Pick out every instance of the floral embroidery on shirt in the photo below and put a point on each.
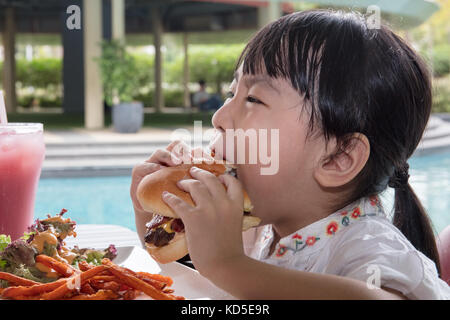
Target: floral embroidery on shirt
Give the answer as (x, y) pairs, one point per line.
(339, 219)
(332, 227)
(311, 240)
(356, 213)
(282, 249)
(374, 200)
(299, 245)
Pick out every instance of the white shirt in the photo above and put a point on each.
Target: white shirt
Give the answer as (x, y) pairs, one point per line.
(358, 242)
(200, 97)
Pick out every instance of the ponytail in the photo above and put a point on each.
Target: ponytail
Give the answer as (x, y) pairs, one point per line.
(412, 220)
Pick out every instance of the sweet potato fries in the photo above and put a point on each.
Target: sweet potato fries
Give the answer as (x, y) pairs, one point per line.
(104, 282)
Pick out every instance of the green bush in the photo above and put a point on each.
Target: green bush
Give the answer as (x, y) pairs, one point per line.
(172, 98)
(118, 72)
(214, 64)
(145, 69)
(39, 73)
(441, 94)
(50, 102)
(145, 98)
(25, 100)
(441, 60)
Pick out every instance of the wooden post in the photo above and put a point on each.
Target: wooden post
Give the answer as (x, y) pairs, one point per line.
(270, 13)
(187, 93)
(430, 43)
(92, 28)
(9, 65)
(157, 34)
(118, 19)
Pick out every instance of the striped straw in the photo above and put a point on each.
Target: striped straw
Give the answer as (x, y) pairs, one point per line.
(3, 116)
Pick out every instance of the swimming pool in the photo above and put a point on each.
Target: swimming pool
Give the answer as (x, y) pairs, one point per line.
(106, 200)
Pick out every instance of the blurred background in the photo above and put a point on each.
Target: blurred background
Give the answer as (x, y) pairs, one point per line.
(204, 36)
(71, 64)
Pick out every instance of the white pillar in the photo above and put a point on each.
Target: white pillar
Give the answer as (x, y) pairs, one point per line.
(93, 91)
(187, 94)
(429, 44)
(157, 35)
(270, 13)
(118, 19)
(9, 63)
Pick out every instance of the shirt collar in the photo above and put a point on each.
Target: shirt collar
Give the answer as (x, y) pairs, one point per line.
(314, 236)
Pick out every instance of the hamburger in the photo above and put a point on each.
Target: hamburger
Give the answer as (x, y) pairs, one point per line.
(165, 239)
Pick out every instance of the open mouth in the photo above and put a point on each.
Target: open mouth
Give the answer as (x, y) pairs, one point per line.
(221, 158)
(231, 170)
(217, 151)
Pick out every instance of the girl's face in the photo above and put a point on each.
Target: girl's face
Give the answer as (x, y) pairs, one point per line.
(260, 102)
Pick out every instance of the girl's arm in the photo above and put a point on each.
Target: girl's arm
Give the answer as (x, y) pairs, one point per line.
(246, 278)
(213, 233)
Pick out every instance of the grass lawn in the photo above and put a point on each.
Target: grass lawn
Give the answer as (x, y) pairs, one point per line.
(70, 121)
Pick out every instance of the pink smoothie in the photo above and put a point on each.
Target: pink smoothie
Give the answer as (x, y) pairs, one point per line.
(22, 152)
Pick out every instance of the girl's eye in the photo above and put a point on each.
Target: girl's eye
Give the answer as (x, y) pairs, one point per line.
(253, 100)
(229, 95)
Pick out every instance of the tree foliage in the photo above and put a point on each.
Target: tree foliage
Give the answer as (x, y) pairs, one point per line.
(119, 73)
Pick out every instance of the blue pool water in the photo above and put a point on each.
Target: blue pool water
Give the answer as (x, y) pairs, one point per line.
(106, 200)
(430, 179)
(96, 200)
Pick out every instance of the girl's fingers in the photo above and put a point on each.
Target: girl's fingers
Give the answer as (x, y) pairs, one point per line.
(145, 168)
(164, 157)
(234, 188)
(181, 150)
(177, 143)
(139, 172)
(178, 205)
(200, 153)
(198, 191)
(210, 180)
(186, 153)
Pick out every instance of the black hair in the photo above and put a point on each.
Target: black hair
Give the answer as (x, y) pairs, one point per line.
(356, 79)
(201, 82)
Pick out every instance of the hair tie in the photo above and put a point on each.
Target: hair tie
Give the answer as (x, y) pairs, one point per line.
(400, 177)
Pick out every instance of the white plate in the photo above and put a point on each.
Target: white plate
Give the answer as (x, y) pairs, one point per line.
(186, 281)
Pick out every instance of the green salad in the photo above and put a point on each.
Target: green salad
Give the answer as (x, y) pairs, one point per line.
(45, 237)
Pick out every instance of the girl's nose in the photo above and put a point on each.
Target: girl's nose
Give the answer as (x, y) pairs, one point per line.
(223, 117)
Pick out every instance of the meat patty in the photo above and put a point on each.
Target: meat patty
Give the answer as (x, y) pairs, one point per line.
(157, 235)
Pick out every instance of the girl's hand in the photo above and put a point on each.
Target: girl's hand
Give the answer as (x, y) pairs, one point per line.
(176, 153)
(214, 226)
(159, 159)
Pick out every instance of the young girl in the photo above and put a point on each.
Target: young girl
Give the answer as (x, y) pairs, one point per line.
(351, 104)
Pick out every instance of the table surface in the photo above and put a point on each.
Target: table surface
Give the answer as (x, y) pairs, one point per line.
(100, 236)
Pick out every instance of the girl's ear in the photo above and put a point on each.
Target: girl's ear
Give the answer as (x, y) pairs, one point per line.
(341, 168)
